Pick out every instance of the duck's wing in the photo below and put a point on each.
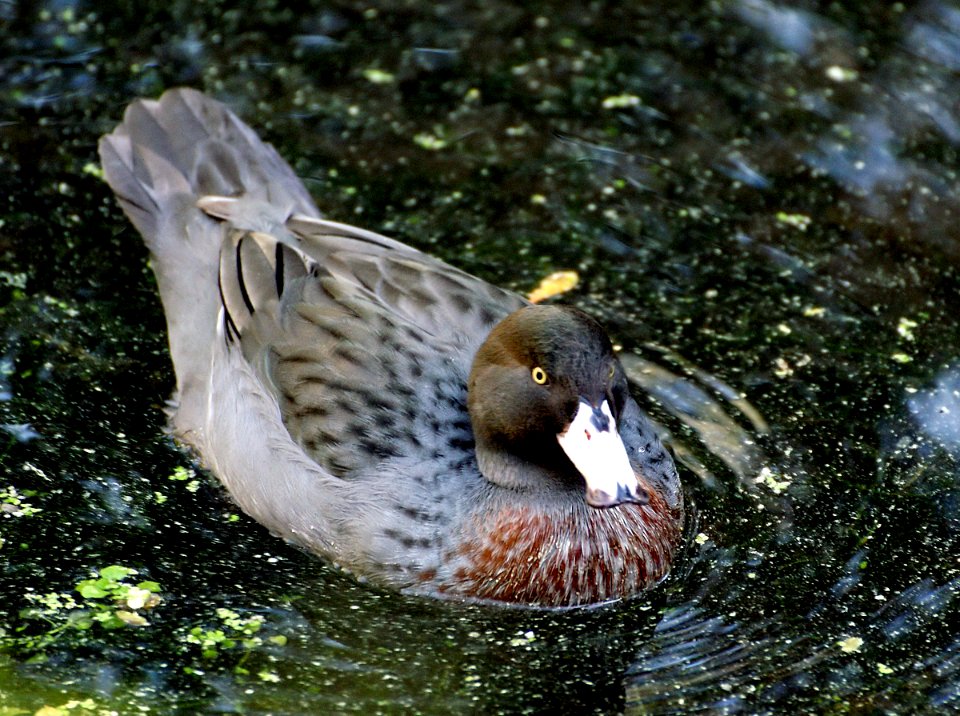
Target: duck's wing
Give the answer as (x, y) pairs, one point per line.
(297, 342)
(334, 323)
(163, 156)
(365, 343)
(413, 287)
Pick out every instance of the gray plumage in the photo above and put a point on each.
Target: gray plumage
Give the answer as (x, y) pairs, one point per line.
(322, 375)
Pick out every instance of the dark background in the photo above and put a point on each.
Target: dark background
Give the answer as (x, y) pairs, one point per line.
(761, 203)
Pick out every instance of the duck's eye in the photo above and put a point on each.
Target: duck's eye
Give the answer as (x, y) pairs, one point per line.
(612, 372)
(539, 375)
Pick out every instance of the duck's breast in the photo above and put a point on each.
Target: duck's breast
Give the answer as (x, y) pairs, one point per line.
(561, 554)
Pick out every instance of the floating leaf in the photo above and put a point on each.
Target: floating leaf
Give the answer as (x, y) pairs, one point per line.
(50, 711)
(136, 598)
(131, 618)
(555, 284)
(429, 141)
(850, 645)
(91, 589)
(377, 76)
(115, 572)
(620, 101)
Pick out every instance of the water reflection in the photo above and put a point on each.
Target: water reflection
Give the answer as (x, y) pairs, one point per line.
(720, 434)
(712, 661)
(937, 410)
(876, 125)
(729, 648)
(790, 28)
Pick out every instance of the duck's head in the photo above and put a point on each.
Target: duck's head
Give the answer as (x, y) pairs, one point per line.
(545, 394)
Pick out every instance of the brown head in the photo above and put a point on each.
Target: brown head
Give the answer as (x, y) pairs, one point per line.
(545, 396)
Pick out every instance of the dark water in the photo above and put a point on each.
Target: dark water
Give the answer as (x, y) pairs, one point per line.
(762, 203)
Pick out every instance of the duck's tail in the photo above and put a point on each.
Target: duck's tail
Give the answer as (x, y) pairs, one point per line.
(163, 157)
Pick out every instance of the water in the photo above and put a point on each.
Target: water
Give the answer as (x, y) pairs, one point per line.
(761, 202)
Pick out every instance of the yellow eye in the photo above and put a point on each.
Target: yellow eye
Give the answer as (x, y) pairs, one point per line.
(539, 376)
(613, 372)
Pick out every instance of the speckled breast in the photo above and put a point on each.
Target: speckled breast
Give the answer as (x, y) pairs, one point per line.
(563, 557)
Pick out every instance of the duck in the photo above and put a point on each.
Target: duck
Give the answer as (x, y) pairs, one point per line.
(414, 425)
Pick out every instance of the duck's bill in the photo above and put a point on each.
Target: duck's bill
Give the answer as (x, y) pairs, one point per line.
(592, 443)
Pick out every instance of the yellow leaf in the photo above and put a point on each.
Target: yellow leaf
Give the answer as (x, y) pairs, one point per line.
(553, 285)
(850, 645)
(131, 618)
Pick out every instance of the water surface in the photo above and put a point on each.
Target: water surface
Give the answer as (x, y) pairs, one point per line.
(761, 202)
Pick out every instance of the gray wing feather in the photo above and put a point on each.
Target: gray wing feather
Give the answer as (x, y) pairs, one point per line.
(159, 161)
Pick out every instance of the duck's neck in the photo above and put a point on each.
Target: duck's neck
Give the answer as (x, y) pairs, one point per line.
(515, 472)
